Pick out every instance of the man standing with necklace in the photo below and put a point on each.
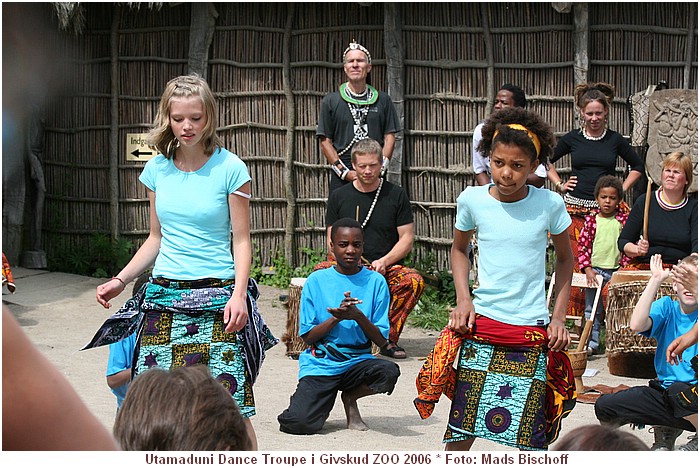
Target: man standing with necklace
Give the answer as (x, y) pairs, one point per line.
(355, 112)
(384, 213)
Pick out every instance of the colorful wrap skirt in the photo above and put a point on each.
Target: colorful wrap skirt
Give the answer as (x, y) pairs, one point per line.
(180, 323)
(499, 396)
(507, 388)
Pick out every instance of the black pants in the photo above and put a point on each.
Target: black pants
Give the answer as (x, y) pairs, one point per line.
(315, 396)
(650, 405)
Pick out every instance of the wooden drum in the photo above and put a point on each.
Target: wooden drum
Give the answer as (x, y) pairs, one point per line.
(629, 354)
(295, 345)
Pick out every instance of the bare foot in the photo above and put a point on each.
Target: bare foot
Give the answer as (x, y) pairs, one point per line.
(352, 413)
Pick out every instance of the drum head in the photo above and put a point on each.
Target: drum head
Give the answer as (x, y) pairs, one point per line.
(673, 126)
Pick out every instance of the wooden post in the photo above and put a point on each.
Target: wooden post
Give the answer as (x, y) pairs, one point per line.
(394, 49)
(114, 124)
(202, 21)
(689, 46)
(289, 186)
(488, 45)
(581, 27)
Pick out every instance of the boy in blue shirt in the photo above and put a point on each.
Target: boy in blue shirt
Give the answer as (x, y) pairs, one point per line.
(119, 364)
(339, 357)
(660, 404)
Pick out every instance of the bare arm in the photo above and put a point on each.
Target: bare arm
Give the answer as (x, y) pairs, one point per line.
(27, 406)
(402, 248)
(640, 320)
(389, 143)
(348, 311)
(119, 379)
(631, 179)
(674, 352)
(535, 180)
(142, 259)
(462, 317)
(482, 178)
(236, 310)
(559, 338)
(560, 186)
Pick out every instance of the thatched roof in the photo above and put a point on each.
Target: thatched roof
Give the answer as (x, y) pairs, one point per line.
(71, 15)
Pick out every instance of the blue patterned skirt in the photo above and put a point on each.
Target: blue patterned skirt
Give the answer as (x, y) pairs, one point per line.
(500, 396)
(180, 323)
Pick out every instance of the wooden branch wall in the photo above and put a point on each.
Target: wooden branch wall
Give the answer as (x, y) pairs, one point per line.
(270, 65)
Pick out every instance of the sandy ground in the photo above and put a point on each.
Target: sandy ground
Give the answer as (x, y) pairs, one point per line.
(59, 313)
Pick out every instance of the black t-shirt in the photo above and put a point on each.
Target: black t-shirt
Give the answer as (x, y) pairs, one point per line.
(335, 122)
(590, 160)
(673, 234)
(393, 209)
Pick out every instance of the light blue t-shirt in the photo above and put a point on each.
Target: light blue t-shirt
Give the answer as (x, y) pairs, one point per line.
(326, 288)
(668, 323)
(512, 240)
(121, 355)
(193, 211)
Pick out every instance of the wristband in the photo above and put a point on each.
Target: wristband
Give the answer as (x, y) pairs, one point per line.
(385, 166)
(340, 168)
(120, 280)
(344, 174)
(558, 186)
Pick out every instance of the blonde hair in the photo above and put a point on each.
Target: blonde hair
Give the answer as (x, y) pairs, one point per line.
(682, 160)
(366, 146)
(161, 136)
(691, 260)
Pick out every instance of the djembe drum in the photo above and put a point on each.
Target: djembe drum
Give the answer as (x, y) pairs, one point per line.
(295, 345)
(629, 354)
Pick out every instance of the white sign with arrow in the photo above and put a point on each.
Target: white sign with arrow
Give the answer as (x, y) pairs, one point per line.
(136, 147)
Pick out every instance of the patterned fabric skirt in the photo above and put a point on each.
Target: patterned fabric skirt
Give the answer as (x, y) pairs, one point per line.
(500, 396)
(180, 323)
(171, 340)
(406, 286)
(577, 296)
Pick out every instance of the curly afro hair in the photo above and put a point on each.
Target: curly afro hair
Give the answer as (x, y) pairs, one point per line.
(508, 136)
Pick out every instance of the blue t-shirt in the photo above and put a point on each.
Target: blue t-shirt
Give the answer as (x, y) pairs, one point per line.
(512, 239)
(193, 211)
(326, 288)
(668, 323)
(120, 358)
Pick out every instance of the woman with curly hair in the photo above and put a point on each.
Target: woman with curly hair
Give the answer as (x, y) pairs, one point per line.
(594, 149)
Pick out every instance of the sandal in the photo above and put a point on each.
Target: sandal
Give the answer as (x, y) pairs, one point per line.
(395, 352)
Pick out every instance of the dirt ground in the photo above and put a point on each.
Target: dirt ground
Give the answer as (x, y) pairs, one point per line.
(59, 313)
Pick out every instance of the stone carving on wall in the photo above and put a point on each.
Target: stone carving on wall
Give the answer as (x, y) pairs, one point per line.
(673, 126)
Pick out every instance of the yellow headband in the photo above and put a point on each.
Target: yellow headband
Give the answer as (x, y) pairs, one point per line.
(533, 137)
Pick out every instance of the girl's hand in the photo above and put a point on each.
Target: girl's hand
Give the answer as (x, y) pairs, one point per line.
(559, 338)
(235, 314)
(462, 318)
(108, 291)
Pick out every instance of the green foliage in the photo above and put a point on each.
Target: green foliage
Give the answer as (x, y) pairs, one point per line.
(432, 310)
(280, 274)
(101, 258)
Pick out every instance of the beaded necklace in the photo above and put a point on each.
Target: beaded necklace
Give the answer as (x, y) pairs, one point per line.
(592, 138)
(669, 206)
(374, 202)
